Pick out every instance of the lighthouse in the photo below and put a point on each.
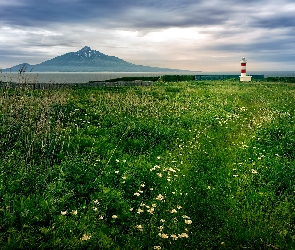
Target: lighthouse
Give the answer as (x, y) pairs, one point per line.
(243, 76)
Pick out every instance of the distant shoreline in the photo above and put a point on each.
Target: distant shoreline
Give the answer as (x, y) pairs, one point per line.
(84, 77)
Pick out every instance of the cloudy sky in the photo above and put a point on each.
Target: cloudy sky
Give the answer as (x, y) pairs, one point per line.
(207, 35)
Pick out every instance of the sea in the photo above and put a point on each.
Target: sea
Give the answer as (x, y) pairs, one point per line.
(84, 77)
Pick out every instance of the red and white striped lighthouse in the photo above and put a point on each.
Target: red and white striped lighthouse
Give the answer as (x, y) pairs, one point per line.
(243, 66)
(244, 77)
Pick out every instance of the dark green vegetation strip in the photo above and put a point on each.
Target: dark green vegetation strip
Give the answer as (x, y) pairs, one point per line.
(187, 165)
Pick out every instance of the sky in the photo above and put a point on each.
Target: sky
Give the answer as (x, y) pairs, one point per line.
(206, 35)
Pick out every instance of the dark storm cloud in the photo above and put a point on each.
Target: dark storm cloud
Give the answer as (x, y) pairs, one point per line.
(147, 14)
(139, 14)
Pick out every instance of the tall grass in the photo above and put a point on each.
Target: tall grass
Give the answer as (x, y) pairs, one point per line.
(195, 165)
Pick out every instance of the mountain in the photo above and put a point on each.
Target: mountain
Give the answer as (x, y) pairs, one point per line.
(87, 60)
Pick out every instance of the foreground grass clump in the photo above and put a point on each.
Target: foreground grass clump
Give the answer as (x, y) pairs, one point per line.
(194, 165)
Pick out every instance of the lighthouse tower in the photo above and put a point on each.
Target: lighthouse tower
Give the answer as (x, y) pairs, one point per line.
(243, 76)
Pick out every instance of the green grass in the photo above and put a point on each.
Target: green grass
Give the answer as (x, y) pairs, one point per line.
(186, 165)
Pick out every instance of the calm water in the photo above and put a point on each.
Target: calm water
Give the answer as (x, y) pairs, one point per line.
(82, 77)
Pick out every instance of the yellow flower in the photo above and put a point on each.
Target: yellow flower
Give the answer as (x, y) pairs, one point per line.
(160, 197)
(63, 212)
(179, 207)
(173, 236)
(163, 236)
(157, 247)
(188, 222)
(74, 212)
(85, 237)
(137, 194)
(139, 227)
(151, 210)
(114, 216)
(183, 235)
(140, 211)
(173, 211)
(96, 202)
(100, 218)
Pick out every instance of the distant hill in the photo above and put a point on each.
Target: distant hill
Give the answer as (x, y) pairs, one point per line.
(88, 60)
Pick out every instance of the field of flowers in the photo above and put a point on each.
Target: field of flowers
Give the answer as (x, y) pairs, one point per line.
(181, 165)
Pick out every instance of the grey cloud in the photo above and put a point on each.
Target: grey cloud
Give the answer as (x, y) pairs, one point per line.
(234, 17)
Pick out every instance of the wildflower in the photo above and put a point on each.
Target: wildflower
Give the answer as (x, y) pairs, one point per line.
(159, 174)
(142, 204)
(168, 179)
(151, 189)
(185, 217)
(131, 209)
(254, 171)
(139, 227)
(124, 177)
(173, 211)
(188, 222)
(179, 207)
(63, 212)
(173, 236)
(160, 197)
(154, 205)
(114, 216)
(85, 237)
(96, 202)
(140, 211)
(124, 161)
(159, 157)
(209, 187)
(137, 194)
(162, 220)
(117, 172)
(183, 235)
(142, 185)
(161, 228)
(117, 160)
(157, 247)
(100, 218)
(140, 191)
(151, 210)
(74, 212)
(235, 175)
(95, 209)
(163, 236)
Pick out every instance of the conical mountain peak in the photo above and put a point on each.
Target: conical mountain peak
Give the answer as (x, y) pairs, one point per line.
(88, 60)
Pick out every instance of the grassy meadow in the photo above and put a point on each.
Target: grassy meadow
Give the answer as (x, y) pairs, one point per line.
(178, 165)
